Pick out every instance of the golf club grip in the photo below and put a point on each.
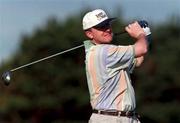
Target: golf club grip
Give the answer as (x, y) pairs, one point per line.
(119, 33)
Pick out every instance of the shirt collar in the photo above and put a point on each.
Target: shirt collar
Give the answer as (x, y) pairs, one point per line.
(88, 44)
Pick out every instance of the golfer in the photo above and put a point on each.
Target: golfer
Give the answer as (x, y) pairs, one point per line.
(108, 68)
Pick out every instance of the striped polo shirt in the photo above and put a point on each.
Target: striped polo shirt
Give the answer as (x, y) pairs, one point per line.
(107, 68)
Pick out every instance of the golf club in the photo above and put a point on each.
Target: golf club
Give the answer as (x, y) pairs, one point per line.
(6, 76)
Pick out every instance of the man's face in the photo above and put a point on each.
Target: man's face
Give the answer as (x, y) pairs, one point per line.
(102, 34)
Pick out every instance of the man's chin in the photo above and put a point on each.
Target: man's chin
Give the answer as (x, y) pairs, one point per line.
(108, 41)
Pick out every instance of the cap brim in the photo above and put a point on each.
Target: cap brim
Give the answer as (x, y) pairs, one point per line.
(107, 21)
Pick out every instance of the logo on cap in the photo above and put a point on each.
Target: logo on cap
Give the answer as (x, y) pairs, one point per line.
(101, 15)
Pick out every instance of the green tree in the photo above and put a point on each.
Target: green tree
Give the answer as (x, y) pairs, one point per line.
(55, 90)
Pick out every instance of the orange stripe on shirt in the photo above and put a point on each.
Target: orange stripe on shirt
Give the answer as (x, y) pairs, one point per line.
(92, 71)
(122, 87)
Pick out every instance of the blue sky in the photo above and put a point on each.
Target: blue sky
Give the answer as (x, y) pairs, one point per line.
(19, 17)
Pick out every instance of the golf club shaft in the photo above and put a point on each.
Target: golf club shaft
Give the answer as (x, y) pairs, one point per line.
(45, 58)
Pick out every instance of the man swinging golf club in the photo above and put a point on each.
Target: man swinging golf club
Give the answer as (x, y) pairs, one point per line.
(108, 68)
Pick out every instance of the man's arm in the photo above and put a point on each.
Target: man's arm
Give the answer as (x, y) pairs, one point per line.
(140, 46)
(139, 61)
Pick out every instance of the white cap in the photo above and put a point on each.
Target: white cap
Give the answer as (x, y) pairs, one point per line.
(94, 18)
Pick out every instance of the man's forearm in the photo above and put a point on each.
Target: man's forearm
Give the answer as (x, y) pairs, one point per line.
(139, 61)
(141, 46)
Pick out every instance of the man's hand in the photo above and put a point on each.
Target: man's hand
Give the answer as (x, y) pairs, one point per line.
(135, 30)
(141, 45)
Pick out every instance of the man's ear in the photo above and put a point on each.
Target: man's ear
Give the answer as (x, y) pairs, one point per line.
(89, 34)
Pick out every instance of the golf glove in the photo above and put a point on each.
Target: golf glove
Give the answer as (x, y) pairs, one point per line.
(144, 25)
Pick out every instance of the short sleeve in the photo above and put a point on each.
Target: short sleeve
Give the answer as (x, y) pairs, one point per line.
(120, 57)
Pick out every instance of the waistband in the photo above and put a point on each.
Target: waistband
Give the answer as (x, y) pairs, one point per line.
(117, 113)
